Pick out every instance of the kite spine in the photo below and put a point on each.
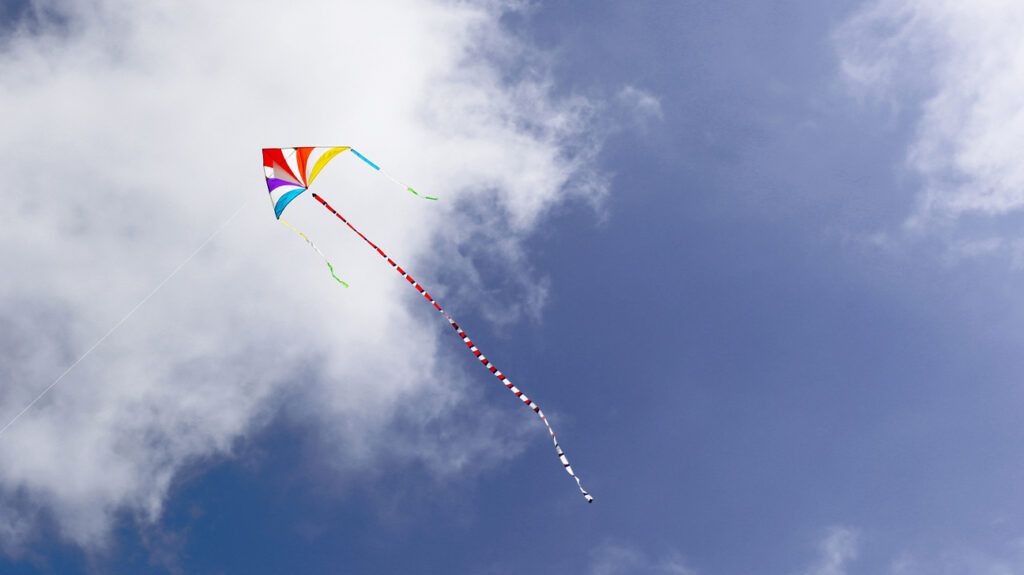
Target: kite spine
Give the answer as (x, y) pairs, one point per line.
(472, 348)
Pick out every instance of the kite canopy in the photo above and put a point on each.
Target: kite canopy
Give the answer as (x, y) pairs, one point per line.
(288, 171)
(289, 174)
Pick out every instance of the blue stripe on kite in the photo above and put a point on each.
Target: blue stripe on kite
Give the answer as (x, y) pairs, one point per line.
(286, 199)
(363, 158)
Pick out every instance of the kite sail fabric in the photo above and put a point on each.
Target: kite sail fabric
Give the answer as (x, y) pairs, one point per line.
(290, 172)
(289, 175)
(288, 165)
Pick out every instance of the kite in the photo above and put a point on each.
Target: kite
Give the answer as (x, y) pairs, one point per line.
(291, 171)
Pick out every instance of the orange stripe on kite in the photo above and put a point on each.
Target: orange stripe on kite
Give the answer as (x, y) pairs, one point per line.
(302, 155)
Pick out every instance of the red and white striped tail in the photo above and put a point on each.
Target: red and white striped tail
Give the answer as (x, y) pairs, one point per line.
(472, 348)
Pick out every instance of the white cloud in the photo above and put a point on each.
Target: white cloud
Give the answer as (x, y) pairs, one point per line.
(617, 559)
(640, 104)
(1000, 558)
(836, 550)
(967, 61)
(132, 129)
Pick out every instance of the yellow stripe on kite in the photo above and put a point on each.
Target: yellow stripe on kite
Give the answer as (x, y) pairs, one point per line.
(320, 163)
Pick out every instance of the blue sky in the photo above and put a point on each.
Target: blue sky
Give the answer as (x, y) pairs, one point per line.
(783, 339)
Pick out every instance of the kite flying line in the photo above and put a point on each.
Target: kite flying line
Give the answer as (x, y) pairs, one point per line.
(287, 179)
(128, 315)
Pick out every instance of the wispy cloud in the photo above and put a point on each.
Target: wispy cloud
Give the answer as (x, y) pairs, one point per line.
(959, 68)
(131, 129)
(641, 104)
(619, 559)
(1000, 557)
(837, 549)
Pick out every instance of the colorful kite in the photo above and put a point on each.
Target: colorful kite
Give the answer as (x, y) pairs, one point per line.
(289, 174)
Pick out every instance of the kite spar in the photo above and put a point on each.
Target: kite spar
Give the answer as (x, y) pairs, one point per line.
(287, 179)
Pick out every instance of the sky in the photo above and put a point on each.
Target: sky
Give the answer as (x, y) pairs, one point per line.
(759, 263)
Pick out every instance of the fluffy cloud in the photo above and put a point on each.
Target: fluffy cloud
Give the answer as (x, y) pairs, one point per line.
(640, 104)
(837, 549)
(1000, 557)
(965, 62)
(131, 130)
(616, 559)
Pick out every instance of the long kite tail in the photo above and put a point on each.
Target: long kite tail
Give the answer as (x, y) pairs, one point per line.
(472, 348)
(405, 186)
(312, 245)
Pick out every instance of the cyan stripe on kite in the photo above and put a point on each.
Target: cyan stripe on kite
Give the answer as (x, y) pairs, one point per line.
(286, 199)
(364, 158)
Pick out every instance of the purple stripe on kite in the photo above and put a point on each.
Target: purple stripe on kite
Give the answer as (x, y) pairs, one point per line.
(274, 183)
